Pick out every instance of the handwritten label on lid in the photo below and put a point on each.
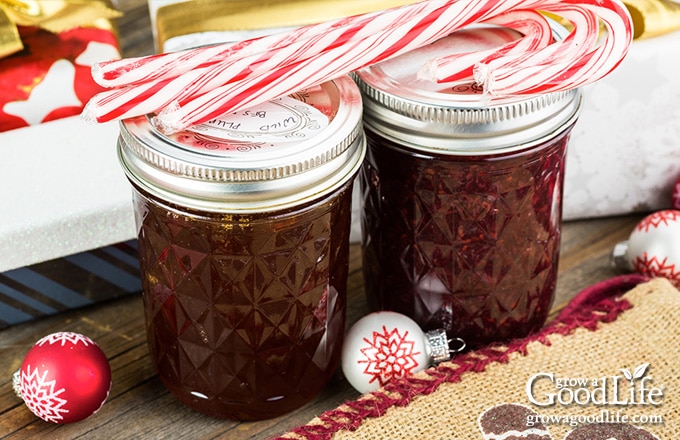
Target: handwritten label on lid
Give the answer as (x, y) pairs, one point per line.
(274, 123)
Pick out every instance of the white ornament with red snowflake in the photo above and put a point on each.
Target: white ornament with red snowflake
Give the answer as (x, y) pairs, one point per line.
(64, 378)
(653, 248)
(384, 346)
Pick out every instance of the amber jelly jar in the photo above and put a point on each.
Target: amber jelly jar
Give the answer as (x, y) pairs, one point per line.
(462, 197)
(243, 239)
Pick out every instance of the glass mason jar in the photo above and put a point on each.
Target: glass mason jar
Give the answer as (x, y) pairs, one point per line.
(462, 194)
(243, 239)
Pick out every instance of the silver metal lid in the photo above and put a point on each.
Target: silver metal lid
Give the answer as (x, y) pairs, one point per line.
(280, 154)
(458, 118)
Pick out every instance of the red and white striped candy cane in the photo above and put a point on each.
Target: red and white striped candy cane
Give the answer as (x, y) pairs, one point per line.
(576, 45)
(164, 85)
(563, 71)
(513, 79)
(130, 71)
(536, 31)
(405, 36)
(198, 85)
(298, 43)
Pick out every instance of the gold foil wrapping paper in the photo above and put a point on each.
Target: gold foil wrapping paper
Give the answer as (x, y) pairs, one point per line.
(189, 17)
(653, 17)
(650, 17)
(52, 15)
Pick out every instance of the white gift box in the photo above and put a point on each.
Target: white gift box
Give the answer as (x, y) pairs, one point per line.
(624, 152)
(62, 192)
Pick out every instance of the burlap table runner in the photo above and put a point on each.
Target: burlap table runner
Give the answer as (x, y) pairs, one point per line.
(608, 362)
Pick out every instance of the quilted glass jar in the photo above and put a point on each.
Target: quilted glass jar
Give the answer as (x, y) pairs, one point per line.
(243, 239)
(462, 196)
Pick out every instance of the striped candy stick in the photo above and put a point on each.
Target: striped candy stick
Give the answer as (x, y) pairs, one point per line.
(197, 100)
(554, 62)
(163, 87)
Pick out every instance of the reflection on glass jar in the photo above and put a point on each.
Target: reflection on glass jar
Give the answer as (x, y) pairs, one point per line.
(462, 197)
(244, 239)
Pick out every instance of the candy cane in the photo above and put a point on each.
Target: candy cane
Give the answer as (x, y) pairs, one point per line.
(391, 25)
(223, 79)
(402, 38)
(566, 71)
(164, 85)
(406, 36)
(212, 104)
(299, 43)
(576, 45)
(579, 42)
(537, 34)
(132, 71)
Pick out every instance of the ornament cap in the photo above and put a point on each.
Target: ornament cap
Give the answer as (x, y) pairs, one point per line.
(16, 383)
(619, 257)
(439, 346)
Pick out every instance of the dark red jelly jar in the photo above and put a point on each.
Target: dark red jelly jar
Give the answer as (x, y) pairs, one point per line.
(243, 239)
(462, 196)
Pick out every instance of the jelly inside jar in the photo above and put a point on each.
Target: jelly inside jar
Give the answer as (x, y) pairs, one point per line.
(465, 243)
(245, 313)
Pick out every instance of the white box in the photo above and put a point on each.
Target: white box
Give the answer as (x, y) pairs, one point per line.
(624, 153)
(62, 191)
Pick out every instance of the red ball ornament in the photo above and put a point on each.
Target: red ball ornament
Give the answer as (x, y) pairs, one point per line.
(64, 378)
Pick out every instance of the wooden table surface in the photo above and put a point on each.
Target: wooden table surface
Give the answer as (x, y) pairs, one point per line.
(140, 407)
